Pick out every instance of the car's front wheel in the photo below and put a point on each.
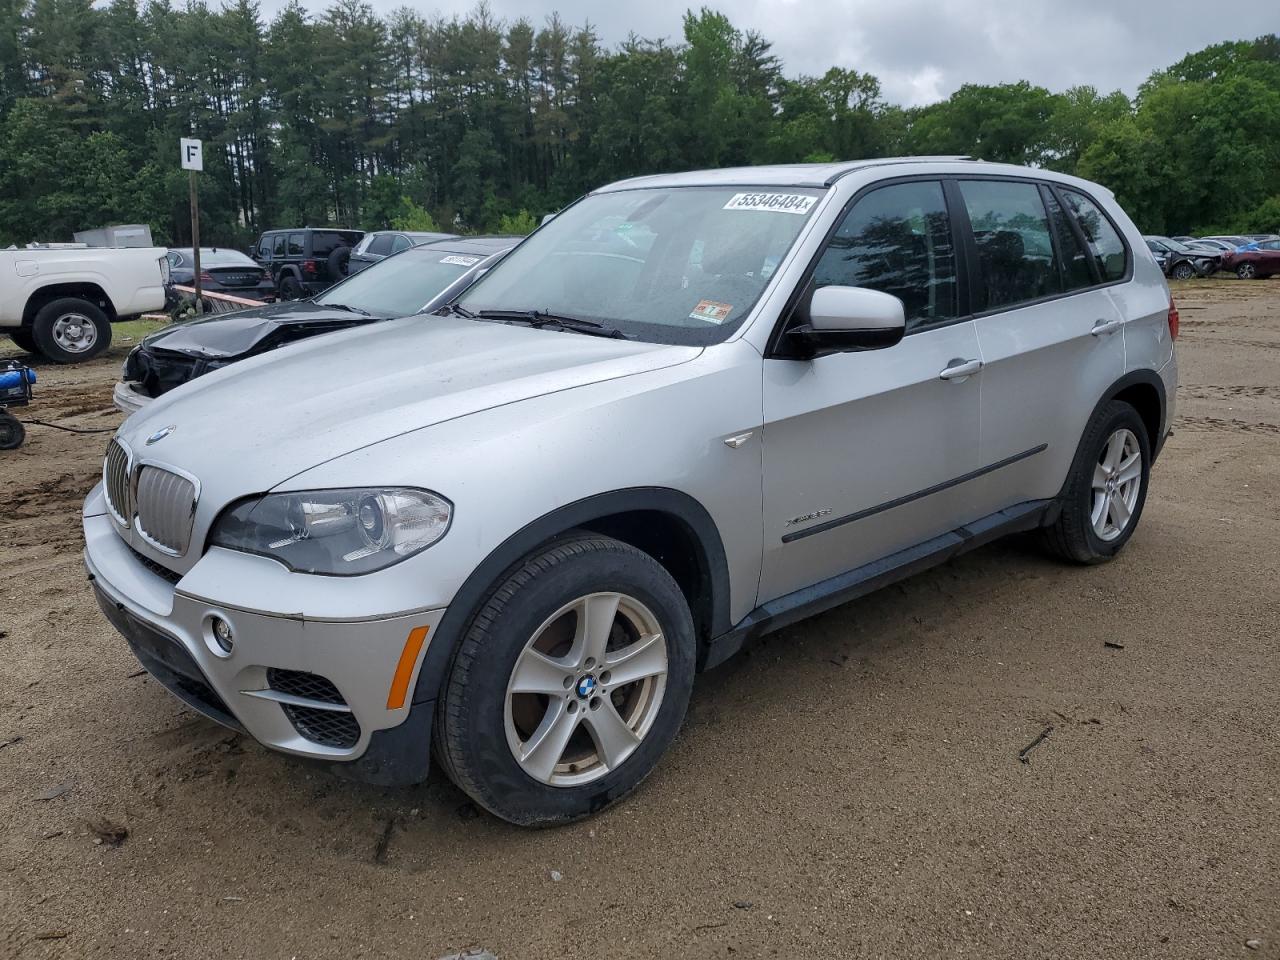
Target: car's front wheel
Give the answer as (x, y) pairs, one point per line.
(570, 684)
(1247, 271)
(291, 288)
(1184, 271)
(1107, 488)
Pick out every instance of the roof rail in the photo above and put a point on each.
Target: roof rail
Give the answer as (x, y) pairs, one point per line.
(891, 161)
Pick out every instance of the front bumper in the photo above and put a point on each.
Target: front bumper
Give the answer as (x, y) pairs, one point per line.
(128, 398)
(256, 688)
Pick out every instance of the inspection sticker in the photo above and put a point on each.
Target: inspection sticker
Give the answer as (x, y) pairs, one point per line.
(711, 311)
(772, 202)
(461, 260)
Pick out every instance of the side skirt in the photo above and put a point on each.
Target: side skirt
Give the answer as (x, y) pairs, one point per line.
(860, 581)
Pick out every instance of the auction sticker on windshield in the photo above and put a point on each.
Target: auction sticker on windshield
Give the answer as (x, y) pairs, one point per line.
(772, 202)
(461, 261)
(712, 311)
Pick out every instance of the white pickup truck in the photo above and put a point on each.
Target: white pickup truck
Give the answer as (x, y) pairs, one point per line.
(60, 300)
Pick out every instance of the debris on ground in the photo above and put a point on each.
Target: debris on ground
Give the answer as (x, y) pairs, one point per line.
(53, 793)
(1112, 644)
(473, 953)
(108, 833)
(1025, 753)
(556, 876)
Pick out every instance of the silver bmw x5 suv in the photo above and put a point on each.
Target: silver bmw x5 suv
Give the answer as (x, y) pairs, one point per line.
(689, 410)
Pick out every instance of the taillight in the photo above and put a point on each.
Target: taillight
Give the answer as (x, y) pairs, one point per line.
(308, 266)
(1173, 320)
(205, 277)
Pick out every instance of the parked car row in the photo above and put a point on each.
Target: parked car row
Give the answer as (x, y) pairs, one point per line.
(1249, 257)
(690, 410)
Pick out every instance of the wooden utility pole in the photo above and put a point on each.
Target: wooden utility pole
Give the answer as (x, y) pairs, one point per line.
(192, 152)
(195, 235)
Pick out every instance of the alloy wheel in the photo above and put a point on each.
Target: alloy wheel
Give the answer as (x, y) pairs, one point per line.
(1117, 482)
(586, 689)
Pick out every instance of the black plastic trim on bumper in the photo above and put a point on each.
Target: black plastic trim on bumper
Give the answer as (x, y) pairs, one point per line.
(167, 660)
(396, 757)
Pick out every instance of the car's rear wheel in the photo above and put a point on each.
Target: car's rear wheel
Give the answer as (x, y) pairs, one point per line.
(1184, 271)
(1107, 488)
(71, 330)
(570, 684)
(1247, 271)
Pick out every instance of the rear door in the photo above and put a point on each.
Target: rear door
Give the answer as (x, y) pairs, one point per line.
(866, 453)
(1050, 332)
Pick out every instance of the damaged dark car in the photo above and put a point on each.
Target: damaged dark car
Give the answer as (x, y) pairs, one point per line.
(417, 280)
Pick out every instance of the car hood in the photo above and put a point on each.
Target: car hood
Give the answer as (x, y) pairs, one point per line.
(233, 334)
(252, 425)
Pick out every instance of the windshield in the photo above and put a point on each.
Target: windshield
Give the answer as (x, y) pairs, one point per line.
(402, 284)
(1176, 247)
(224, 258)
(669, 265)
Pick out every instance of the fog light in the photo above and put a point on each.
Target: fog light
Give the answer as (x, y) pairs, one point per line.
(222, 635)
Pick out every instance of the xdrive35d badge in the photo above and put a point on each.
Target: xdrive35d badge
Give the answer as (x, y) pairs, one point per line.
(688, 410)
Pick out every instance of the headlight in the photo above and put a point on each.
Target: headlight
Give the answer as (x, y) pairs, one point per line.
(335, 532)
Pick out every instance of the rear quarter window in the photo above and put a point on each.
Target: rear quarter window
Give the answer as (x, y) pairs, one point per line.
(1105, 243)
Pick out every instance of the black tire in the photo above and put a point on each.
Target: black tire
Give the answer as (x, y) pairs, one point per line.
(12, 432)
(1247, 271)
(56, 321)
(1072, 536)
(471, 726)
(24, 340)
(339, 263)
(291, 288)
(1183, 271)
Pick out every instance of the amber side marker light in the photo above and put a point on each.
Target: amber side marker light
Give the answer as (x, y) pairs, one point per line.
(404, 669)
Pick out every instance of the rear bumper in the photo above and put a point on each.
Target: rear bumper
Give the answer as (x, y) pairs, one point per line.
(255, 688)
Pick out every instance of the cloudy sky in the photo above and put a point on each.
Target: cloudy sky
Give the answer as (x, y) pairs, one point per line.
(923, 49)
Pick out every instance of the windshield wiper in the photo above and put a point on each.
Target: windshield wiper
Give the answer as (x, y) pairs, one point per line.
(543, 318)
(456, 310)
(349, 309)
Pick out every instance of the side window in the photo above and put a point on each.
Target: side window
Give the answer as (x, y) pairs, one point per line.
(296, 245)
(897, 240)
(401, 242)
(277, 247)
(381, 245)
(264, 248)
(1073, 259)
(1015, 249)
(1108, 248)
(174, 258)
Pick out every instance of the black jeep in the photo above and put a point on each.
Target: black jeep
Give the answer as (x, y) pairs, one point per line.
(305, 261)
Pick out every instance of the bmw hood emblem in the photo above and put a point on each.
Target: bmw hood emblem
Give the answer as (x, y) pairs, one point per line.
(161, 434)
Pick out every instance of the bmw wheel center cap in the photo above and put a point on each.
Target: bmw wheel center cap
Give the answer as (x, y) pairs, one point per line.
(587, 686)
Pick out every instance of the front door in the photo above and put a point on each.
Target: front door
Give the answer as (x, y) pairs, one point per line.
(866, 453)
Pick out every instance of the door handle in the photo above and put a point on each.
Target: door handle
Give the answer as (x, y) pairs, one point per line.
(959, 369)
(1106, 326)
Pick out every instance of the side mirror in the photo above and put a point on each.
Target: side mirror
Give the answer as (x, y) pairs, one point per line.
(848, 319)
